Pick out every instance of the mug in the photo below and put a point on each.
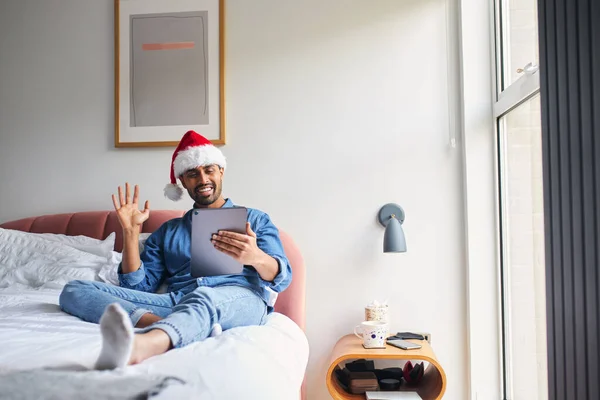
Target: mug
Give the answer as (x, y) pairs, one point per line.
(373, 333)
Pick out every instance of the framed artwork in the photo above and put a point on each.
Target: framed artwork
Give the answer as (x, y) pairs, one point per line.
(169, 63)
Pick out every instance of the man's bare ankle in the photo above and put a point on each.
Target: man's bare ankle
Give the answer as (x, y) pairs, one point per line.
(137, 350)
(149, 344)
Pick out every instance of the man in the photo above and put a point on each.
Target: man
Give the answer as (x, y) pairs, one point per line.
(192, 308)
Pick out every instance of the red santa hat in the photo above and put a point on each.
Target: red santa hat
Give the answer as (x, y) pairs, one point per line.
(193, 151)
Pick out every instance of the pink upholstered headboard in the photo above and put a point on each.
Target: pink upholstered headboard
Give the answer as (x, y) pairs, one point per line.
(99, 224)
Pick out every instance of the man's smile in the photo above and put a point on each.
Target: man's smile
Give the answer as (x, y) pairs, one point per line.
(205, 190)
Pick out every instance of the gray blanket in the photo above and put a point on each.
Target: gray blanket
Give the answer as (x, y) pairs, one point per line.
(48, 384)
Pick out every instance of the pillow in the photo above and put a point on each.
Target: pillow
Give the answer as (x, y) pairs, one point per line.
(142, 242)
(34, 260)
(101, 248)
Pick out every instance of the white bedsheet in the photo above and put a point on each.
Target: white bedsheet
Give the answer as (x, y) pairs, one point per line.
(256, 362)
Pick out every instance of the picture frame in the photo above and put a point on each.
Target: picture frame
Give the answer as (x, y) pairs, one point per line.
(169, 71)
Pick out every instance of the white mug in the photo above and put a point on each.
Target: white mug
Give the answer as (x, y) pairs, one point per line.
(373, 333)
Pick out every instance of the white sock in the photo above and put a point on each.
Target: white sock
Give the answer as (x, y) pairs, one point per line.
(117, 338)
(216, 330)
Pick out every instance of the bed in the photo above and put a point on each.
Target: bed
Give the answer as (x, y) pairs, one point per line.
(260, 362)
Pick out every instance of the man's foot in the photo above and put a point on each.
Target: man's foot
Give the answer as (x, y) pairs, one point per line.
(117, 338)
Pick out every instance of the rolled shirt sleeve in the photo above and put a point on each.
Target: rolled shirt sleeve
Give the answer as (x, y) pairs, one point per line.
(132, 279)
(268, 240)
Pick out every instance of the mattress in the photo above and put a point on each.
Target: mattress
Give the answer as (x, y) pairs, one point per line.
(253, 362)
(262, 362)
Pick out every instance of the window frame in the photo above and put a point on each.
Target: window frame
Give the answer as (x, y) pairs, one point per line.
(478, 91)
(481, 99)
(505, 100)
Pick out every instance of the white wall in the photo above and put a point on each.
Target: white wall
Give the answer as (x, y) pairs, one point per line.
(334, 108)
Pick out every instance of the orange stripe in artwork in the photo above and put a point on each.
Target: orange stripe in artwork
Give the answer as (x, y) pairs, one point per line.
(168, 46)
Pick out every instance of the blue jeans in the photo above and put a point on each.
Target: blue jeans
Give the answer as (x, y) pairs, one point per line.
(187, 317)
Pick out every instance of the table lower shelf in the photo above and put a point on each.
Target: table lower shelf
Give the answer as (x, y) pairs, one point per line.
(431, 387)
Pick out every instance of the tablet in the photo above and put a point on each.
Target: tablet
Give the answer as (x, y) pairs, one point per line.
(205, 259)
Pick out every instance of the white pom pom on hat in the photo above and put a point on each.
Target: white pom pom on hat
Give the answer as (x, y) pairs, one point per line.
(193, 151)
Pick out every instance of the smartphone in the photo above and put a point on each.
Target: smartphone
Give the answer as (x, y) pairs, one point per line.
(403, 344)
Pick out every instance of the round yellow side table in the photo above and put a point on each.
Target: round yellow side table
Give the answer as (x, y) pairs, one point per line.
(431, 387)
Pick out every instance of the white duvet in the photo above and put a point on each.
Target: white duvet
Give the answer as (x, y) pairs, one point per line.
(258, 362)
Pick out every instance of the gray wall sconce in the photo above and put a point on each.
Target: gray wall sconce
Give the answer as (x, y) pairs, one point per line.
(391, 216)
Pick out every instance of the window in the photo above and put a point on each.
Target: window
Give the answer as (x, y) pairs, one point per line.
(518, 128)
(519, 38)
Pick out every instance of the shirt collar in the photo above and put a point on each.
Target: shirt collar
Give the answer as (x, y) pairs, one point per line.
(228, 204)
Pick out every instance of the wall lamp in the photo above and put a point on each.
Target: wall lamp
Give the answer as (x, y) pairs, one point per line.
(391, 216)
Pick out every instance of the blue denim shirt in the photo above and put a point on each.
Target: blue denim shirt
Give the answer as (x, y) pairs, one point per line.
(166, 258)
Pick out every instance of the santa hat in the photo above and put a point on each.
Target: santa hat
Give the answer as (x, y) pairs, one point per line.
(193, 151)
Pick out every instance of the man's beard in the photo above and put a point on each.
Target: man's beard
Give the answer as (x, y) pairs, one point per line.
(203, 200)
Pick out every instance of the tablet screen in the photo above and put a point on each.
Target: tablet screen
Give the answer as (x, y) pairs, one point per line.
(205, 259)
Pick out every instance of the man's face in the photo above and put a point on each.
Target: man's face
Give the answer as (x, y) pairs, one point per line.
(203, 184)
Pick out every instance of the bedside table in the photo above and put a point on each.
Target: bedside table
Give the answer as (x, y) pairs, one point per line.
(432, 385)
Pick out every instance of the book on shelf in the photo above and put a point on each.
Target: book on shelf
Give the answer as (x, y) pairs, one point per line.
(392, 396)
